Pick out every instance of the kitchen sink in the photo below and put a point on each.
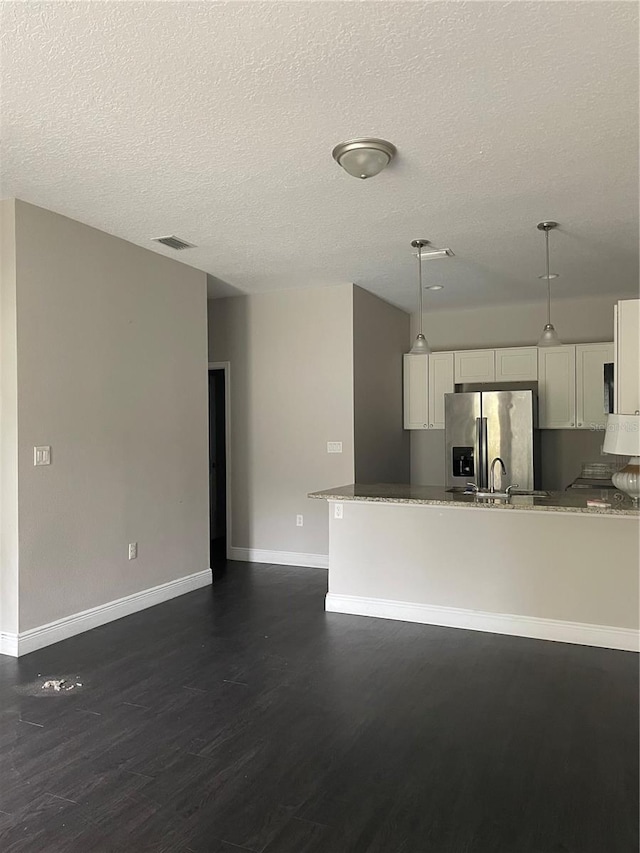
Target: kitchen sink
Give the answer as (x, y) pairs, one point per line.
(534, 493)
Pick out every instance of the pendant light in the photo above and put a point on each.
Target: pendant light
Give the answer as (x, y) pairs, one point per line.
(420, 346)
(549, 336)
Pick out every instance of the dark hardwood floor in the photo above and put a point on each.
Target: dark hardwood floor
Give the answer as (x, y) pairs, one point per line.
(245, 718)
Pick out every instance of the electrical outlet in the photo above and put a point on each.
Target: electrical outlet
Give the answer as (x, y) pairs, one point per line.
(42, 455)
(334, 447)
(299, 521)
(133, 550)
(337, 510)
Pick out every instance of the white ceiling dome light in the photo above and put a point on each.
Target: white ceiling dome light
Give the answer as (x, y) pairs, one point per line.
(364, 157)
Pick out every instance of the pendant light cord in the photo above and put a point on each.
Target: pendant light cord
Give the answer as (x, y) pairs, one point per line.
(546, 236)
(420, 286)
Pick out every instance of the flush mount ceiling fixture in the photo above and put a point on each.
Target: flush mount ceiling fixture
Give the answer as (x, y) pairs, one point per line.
(364, 157)
(549, 337)
(420, 346)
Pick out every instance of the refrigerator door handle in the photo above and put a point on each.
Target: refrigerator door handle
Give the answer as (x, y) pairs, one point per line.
(485, 454)
(481, 453)
(478, 452)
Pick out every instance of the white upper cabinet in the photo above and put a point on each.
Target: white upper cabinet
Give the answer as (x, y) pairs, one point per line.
(627, 356)
(440, 383)
(415, 378)
(590, 362)
(517, 364)
(557, 387)
(570, 379)
(475, 366)
(427, 378)
(512, 364)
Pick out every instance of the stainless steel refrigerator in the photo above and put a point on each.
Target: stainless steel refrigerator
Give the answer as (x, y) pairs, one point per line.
(484, 424)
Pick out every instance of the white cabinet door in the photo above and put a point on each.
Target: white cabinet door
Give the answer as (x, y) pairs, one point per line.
(440, 383)
(590, 361)
(517, 364)
(557, 387)
(415, 377)
(475, 366)
(627, 377)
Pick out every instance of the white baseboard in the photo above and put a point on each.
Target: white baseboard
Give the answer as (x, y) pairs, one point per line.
(580, 633)
(8, 644)
(281, 558)
(45, 635)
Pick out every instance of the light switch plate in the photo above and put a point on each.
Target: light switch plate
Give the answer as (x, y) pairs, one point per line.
(334, 447)
(42, 455)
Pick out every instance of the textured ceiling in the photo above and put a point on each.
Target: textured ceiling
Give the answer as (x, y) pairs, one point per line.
(216, 121)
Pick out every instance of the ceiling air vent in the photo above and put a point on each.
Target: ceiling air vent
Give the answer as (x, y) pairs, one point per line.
(173, 242)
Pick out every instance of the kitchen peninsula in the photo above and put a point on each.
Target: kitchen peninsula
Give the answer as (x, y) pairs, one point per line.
(544, 566)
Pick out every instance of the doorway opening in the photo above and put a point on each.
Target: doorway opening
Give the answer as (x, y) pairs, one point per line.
(218, 467)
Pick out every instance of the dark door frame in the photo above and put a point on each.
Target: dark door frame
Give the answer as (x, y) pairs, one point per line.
(226, 367)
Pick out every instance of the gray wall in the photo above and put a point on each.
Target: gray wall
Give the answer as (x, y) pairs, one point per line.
(291, 355)
(563, 451)
(427, 457)
(112, 373)
(578, 320)
(380, 337)
(8, 423)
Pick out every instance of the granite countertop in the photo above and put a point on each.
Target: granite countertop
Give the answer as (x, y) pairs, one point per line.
(401, 493)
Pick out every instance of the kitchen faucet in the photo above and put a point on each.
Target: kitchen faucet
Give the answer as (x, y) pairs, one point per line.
(492, 469)
(473, 489)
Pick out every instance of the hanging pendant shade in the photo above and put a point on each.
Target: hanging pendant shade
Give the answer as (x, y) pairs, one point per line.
(549, 336)
(420, 346)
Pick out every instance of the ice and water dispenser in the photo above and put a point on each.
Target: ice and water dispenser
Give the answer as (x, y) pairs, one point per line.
(463, 462)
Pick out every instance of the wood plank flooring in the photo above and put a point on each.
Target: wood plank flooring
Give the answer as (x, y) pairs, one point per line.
(244, 718)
